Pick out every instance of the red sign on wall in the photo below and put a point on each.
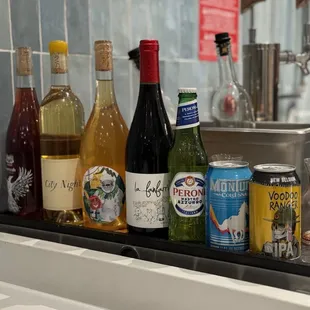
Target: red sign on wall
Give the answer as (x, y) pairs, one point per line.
(217, 16)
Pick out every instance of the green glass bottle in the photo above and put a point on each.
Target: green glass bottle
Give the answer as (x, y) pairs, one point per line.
(188, 164)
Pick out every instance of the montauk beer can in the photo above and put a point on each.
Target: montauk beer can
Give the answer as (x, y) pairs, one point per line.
(275, 198)
(227, 211)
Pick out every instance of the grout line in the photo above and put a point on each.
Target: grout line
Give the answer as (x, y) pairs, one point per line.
(129, 4)
(10, 25)
(90, 60)
(110, 13)
(169, 60)
(11, 53)
(65, 21)
(149, 25)
(179, 32)
(40, 25)
(41, 50)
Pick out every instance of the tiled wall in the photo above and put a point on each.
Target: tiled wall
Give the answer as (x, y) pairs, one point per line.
(173, 22)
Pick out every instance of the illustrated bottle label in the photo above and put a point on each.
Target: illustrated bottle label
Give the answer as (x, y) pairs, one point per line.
(147, 199)
(103, 194)
(275, 228)
(19, 183)
(187, 194)
(187, 115)
(60, 186)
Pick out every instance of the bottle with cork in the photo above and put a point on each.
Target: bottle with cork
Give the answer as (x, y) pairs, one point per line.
(102, 154)
(61, 129)
(23, 165)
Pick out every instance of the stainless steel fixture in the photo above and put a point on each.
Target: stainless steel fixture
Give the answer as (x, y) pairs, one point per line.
(261, 71)
(269, 142)
(261, 78)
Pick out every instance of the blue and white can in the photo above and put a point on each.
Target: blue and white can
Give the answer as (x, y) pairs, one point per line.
(227, 205)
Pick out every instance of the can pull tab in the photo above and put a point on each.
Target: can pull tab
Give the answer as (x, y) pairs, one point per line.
(129, 251)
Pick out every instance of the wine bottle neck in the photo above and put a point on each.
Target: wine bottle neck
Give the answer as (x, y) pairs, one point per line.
(149, 67)
(105, 95)
(226, 67)
(25, 81)
(60, 79)
(192, 132)
(59, 70)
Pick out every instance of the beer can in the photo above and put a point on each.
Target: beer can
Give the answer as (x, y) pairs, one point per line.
(227, 211)
(275, 205)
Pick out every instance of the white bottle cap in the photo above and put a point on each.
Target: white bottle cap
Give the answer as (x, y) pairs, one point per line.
(187, 90)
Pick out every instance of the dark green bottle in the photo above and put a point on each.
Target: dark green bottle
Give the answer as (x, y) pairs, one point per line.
(188, 164)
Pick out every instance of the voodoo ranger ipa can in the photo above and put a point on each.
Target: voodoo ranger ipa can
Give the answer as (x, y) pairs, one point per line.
(227, 211)
(275, 199)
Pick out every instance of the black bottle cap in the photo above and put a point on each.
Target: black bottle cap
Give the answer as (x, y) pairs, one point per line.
(135, 56)
(222, 37)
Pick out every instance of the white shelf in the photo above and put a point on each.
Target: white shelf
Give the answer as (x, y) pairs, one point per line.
(116, 283)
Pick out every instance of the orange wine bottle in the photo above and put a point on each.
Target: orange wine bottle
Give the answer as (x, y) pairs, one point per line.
(102, 154)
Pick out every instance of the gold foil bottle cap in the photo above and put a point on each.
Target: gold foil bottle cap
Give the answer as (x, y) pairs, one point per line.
(103, 55)
(23, 61)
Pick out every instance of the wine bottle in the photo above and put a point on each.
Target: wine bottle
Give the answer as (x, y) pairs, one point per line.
(23, 164)
(61, 128)
(231, 104)
(102, 154)
(149, 141)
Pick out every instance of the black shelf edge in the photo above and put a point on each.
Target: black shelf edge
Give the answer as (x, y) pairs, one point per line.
(195, 250)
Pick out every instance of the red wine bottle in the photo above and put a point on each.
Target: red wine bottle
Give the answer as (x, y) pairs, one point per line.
(149, 141)
(23, 163)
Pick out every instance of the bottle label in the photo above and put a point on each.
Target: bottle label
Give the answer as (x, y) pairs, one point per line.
(61, 188)
(147, 199)
(103, 194)
(19, 183)
(187, 194)
(187, 115)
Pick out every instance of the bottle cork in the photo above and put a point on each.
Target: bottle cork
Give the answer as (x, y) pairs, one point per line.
(103, 55)
(58, 51)
(23, 61)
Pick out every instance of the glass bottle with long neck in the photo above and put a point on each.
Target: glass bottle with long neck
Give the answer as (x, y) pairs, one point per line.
(231, 104)
(188, 163)
(61, 128)
(149, 141)
(102, 154)
(23, 143)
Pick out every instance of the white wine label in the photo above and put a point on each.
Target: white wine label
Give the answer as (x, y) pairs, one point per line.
(103, 194)
(147, 199)
(61, 188)
(187, 194)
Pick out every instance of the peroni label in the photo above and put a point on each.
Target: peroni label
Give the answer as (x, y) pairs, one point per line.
(187, 194)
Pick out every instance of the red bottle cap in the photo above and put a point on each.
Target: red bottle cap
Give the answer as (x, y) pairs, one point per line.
(149, 64)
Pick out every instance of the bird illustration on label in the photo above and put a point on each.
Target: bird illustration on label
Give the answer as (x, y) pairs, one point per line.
(235, 225)
(18, 188)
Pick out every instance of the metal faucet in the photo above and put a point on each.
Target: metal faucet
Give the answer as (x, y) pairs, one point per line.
(301, 60)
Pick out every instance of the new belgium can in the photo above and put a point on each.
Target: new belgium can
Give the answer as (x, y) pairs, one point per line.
(275, 199)
(227, 211)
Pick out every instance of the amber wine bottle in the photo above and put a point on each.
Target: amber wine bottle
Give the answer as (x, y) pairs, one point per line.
(61, 128)
(102, 155)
